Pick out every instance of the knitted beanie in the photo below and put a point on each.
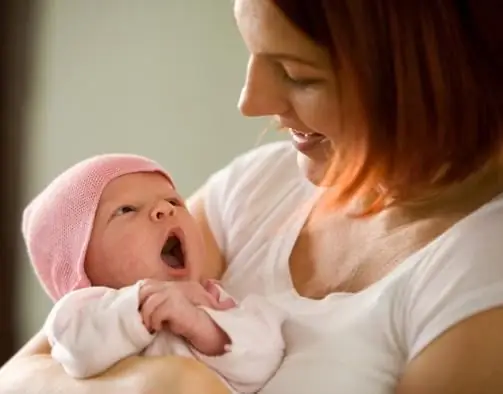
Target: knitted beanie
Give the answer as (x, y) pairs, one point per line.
(57, 223)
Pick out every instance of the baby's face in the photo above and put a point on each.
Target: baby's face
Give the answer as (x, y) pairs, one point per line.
(142, 229)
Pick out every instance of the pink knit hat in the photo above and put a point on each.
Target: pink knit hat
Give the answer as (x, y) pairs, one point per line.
(57, 224)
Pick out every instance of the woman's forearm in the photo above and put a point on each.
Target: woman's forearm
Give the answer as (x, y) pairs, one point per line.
(33, 371)
(39, 374)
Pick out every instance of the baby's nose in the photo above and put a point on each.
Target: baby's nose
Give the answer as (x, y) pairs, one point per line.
(162, 210)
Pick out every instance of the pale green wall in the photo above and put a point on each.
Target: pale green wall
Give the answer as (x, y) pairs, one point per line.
(154, 77)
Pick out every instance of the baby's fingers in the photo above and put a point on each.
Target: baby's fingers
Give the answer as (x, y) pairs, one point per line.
(211, 287)
(228, 303)
(159, 317)
(148, 310)
(225, 304)
(146, 321)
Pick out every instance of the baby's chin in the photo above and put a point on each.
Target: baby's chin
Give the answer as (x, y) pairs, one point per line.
(174, 274)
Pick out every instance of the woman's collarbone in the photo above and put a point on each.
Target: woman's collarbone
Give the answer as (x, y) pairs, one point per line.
(348, 255)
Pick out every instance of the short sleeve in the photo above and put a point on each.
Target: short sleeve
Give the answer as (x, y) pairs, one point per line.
(460, 275)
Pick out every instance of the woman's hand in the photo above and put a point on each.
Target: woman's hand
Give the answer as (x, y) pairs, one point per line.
(175, 306)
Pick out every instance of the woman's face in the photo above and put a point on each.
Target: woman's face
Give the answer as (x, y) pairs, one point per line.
(290, 78)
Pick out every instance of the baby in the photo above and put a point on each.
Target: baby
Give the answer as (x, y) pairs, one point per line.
(114, 246)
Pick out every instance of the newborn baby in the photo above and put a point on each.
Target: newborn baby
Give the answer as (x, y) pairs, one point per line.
(114, 246)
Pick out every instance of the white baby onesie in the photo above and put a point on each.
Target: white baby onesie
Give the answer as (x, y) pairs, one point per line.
(91, 329)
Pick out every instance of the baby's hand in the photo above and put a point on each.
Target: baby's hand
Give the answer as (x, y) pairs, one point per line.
(174, 305)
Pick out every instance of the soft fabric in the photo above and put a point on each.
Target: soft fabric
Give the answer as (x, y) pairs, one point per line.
(91, 329)
(57, 224)
(348, 343)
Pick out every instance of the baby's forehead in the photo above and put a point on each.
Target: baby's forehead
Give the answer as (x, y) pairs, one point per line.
(138, 183)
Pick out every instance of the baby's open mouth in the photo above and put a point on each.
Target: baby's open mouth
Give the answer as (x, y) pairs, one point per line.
(172, 253)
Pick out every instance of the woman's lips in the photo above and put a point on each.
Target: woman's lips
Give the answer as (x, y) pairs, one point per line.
(303, 142)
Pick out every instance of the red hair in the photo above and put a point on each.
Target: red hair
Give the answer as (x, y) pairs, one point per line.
(425, 77)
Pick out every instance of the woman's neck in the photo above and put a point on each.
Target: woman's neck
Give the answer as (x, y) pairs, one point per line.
(452, 203)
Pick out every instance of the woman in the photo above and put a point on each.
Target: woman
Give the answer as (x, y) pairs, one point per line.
(391, 271)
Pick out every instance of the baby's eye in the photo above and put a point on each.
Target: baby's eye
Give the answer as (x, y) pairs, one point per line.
(124, 210)
(175, 202)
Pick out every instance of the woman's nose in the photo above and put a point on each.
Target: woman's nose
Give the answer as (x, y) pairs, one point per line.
(162, 210)
(262, 94)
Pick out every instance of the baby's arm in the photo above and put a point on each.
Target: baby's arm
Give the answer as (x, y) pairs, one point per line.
(257, 345)
(92, 329)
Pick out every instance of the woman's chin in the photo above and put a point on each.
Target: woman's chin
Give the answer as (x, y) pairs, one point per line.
(312, 168)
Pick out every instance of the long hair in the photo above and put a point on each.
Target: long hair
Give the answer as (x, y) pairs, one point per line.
(423, 77)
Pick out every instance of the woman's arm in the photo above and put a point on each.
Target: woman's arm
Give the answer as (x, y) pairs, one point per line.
(215, 263)
(467, 359)
(32, 370)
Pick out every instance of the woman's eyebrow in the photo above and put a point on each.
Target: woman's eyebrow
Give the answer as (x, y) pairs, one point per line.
(289, 57)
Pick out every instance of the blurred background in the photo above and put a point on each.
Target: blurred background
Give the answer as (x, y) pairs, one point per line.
(81, 77)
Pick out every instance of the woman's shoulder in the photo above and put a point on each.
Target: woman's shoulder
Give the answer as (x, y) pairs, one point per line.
(257, 175)
(459, 275)
(477, 235)
(262, 185)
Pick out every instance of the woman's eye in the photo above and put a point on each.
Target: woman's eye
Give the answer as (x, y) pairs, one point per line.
(301, 82)
(125, 209)
(291, 75)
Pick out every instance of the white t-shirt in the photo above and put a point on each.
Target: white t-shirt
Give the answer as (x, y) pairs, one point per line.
(349, 343)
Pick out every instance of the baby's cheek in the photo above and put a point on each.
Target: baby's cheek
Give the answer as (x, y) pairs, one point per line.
(117, 268)
(128, 269)
(135, 262)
